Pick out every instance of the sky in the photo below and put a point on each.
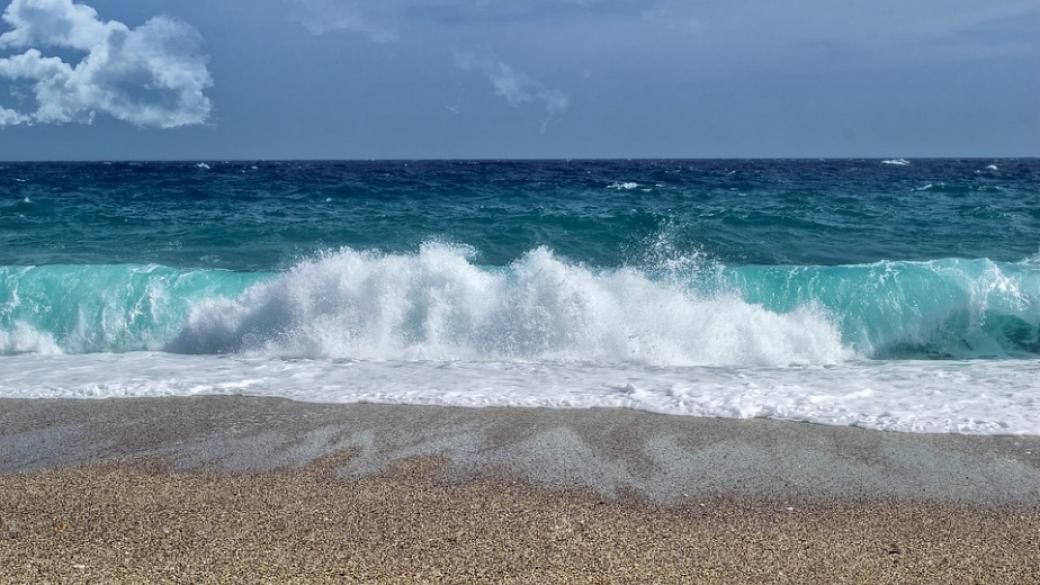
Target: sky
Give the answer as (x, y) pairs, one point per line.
(405, 79)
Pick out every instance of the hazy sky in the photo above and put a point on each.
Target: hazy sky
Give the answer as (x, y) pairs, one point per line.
(194, 79)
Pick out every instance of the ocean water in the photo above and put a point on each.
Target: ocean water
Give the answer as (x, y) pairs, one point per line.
(900, 295)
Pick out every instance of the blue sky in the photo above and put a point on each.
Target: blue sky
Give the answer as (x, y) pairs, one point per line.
(187, 79)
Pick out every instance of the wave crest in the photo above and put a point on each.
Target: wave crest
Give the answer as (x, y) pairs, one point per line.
(438, 305)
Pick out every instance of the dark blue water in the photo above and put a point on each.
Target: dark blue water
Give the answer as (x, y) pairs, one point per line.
(932, 259)
(266, 215)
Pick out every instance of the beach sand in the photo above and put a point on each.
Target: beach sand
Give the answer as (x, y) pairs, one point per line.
(261, 490)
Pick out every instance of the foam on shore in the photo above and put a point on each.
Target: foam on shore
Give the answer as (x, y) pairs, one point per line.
(977, 397)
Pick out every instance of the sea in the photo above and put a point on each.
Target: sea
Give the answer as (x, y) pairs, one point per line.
(888, 294)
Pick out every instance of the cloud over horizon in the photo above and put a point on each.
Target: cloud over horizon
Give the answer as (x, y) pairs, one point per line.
(152, 75)
(381, 20)
(516, 87)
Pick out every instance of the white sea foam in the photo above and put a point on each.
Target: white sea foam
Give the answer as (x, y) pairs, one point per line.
(439, 305)
(23, 338)
(899, 162)
(982, 397)
(623, 186)
(202, 166)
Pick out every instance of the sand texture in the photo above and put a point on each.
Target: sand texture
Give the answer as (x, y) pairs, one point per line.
(242, 490)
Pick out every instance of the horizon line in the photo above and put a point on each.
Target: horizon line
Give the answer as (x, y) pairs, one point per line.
(517, 159)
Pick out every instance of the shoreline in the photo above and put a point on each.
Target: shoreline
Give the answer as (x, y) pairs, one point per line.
(659, 457)
(238, 489)
(978, 397)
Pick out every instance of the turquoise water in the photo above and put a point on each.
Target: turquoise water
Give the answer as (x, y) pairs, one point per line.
(940, 309)
(794, 261)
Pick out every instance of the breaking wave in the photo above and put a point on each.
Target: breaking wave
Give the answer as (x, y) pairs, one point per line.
(439, 304)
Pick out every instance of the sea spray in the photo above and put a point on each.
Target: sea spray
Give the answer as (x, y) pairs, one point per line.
(439, 305)
(20, 337)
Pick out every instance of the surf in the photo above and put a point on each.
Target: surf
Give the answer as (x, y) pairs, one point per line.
(438, 303)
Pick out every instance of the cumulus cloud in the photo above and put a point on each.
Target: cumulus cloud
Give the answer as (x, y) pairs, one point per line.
(516, 87)
(151, 75)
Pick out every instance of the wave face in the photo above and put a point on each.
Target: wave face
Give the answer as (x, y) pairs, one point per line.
(439, 304)
(939, 309)
(103, 308)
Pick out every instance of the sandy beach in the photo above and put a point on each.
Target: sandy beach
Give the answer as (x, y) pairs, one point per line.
(261, 490)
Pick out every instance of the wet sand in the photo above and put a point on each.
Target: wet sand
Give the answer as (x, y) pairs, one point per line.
(260, 490)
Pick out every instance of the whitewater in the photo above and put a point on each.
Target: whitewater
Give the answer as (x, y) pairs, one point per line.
(560, 291)
(435, 328)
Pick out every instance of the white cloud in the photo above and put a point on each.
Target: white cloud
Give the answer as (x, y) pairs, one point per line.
(151, 75)
(516, 87)
(11, 117)
(376, 20)
(380, 20)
